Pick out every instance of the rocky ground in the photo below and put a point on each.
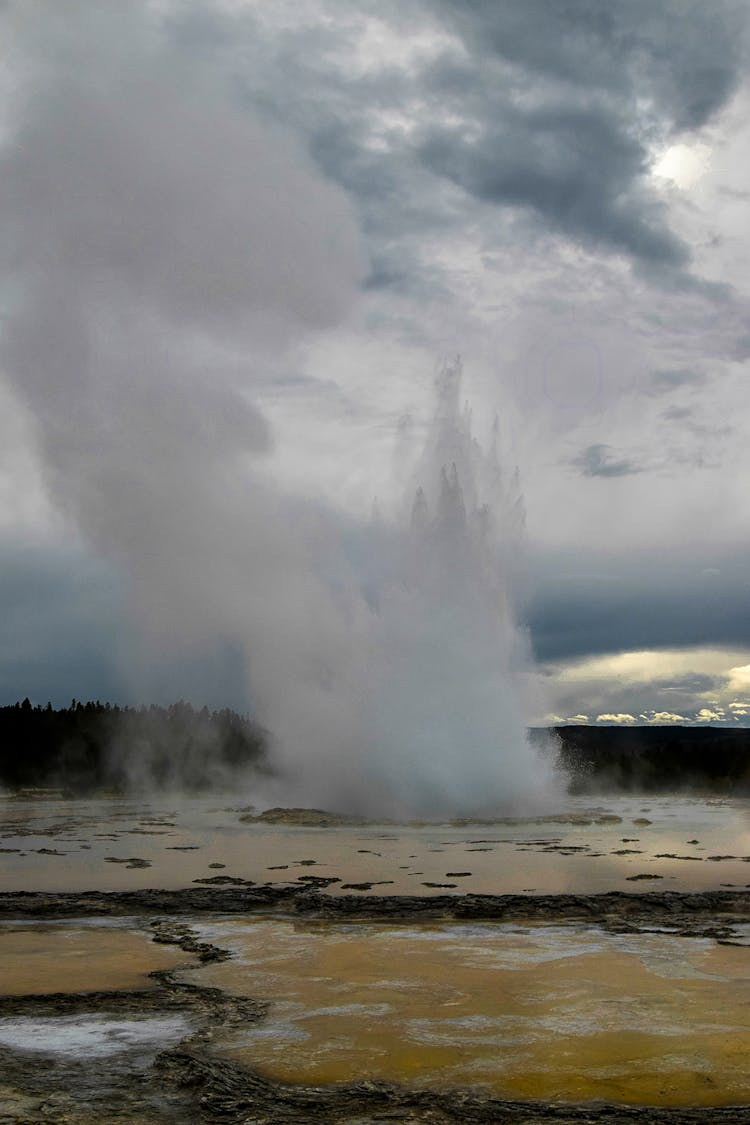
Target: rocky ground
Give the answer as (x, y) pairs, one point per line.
(187, 1083)
(700, 911)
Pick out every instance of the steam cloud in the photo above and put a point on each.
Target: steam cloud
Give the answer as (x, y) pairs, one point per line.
(165, 246)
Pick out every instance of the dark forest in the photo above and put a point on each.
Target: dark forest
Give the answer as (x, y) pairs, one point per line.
(91, 747)
(655, 759)
(99, 747)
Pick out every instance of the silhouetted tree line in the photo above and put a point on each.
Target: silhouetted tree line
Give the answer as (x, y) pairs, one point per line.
(94, 746)
(655, 759)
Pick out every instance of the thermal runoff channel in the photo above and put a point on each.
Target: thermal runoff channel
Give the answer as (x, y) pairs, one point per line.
(436, 676)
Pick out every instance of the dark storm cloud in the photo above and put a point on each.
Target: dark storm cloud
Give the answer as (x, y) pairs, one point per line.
(63, 616)
(566, 100)
(540, 109)
(685, 55)
(576, 168)
(537, 122)
(65, 634)
(597, 461)
(606, 606)
(60, 614)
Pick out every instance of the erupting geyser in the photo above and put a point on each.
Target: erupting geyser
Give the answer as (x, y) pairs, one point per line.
(437, 685)
(449, 661)
(138, 348)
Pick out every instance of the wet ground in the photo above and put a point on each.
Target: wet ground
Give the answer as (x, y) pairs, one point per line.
(37, 958)
(555, 1012)
(682, 844)
(511, 970)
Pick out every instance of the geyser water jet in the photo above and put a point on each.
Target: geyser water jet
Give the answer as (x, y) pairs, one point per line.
(436, 682)
(450, 660)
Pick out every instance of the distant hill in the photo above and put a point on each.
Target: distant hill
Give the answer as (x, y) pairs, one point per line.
(93, 746)
(654, 759)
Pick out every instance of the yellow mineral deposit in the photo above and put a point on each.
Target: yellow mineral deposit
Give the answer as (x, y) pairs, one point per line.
(546, 1012)
(40, 959)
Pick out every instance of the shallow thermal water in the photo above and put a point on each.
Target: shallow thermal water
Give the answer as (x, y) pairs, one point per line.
(41, 957)
(678, 843)
(546, 1011)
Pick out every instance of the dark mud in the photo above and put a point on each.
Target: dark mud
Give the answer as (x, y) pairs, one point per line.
(187, 1084)
(611, 908)
(230, 1093)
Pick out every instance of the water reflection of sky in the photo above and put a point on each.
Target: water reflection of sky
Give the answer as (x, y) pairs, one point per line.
(678, 843)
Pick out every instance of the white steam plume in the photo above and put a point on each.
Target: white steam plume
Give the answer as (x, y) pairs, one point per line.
(163, 246)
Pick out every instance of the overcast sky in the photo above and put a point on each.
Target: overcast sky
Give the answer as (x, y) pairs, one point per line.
(238, 239)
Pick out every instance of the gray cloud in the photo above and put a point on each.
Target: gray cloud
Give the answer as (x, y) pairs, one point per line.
(684, 56)
(177, 215)
(576, 167)
(673, 379)
(606, 83)
(540, 109)
(687, 685)
(741, 349)
(676, 414)
(596, 461)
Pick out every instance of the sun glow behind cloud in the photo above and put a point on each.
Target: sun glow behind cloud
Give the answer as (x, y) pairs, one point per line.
(683, 164)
